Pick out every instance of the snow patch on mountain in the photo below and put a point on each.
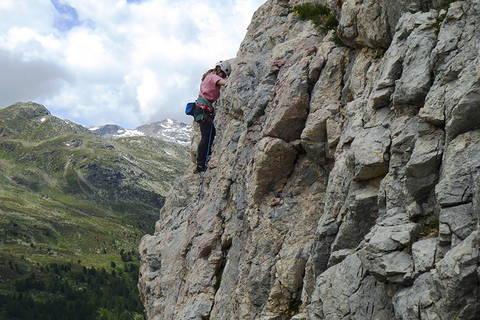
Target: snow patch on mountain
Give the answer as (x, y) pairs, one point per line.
(128, 133)
(167, 130)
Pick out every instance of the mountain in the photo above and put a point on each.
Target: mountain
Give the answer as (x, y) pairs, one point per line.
(107, 131)
(167, 130)
(33, 122)
(347, 179)
(72, 199)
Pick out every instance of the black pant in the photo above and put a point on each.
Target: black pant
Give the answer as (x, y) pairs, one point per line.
(205, 146)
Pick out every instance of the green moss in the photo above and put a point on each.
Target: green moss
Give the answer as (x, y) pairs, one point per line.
(336, 39)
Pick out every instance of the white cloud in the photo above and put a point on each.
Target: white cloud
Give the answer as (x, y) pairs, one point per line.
(147, 92)
(37, 15)
(32, 79)
(119, 62)
(86, 50)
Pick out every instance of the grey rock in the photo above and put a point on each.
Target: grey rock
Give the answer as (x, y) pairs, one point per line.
(326, 299)
(345, 291)
(423, 167)
(455, 185)
(370, 149)
(418, 301)
(423, 253)
(292, 97)
(449, 290)
(338, 256)
(321, 127)
(464, 116)
(199, 310)
(393, 267)
(426, 155)
(364, 24)
(453, 82)
(348, 177)
(274, 161)
(458, 280)
(359, 218)
(460, 221)
(415, 81)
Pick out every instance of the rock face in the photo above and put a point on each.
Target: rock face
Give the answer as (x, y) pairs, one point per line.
(373, 150)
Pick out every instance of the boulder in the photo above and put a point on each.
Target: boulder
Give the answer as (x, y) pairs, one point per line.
(370, 152)
(274, 160)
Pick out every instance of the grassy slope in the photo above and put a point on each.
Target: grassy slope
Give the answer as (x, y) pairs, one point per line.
(67, 196)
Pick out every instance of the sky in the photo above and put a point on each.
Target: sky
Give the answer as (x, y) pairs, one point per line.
(127, 62)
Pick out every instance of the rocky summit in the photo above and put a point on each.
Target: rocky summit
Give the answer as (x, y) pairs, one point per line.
(348, 177)
(168, 130)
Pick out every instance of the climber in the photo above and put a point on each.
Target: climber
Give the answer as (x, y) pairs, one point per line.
(203, 112)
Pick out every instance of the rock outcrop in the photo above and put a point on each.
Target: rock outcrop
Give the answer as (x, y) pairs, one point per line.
(371, 151)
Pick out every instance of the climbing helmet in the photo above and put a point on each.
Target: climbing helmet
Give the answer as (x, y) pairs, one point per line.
(225, 67)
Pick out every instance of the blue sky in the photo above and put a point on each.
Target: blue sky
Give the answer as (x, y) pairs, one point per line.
(115, 61)
(66, 16)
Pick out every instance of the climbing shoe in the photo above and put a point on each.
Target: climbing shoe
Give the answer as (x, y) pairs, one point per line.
(199, 169)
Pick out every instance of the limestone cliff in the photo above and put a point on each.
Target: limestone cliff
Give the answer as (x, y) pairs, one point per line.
(372, 148)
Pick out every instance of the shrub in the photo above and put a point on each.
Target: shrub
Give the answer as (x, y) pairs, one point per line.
(322, 16)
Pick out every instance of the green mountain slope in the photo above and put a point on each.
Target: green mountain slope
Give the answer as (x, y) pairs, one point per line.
(70, 198)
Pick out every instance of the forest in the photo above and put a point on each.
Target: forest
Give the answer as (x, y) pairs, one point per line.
(72, 291)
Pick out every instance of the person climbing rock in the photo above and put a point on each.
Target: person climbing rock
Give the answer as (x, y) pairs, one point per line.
(204, 112)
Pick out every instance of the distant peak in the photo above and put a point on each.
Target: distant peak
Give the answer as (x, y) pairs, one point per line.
(27, 110)
(169, 130)
(107, 130)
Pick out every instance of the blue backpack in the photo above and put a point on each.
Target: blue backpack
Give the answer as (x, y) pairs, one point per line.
(189, 108)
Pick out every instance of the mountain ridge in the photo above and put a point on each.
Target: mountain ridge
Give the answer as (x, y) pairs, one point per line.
(168, 130)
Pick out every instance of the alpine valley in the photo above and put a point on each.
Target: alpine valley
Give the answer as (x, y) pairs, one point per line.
(73, 207)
